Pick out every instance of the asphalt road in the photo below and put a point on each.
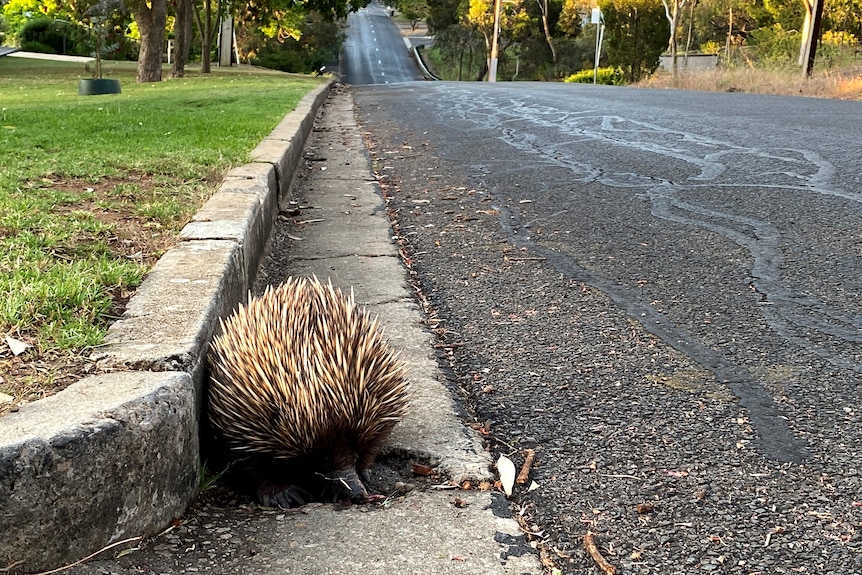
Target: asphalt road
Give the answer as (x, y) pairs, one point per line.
(658, 292)
(374, 51)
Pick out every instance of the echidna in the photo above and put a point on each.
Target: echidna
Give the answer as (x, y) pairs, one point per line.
(303, 379)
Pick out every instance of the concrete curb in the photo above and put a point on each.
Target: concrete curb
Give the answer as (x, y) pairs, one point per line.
(116, 455)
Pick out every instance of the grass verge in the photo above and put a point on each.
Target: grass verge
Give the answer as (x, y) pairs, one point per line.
(843, 83)
(93, 189)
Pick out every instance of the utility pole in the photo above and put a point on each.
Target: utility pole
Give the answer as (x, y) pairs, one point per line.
(492, 65)
(811, 34)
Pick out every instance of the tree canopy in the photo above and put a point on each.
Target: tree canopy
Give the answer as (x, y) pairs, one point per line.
(539, 39)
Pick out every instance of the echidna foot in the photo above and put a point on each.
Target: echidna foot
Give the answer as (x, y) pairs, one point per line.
(284, 497)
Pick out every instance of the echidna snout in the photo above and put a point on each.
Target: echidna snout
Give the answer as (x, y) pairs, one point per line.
(304, 381)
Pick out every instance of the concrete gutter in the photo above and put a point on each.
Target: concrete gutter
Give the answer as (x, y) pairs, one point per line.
(117, 455)
(417, 54)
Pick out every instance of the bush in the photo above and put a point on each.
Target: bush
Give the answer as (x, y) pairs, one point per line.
(710, 47)
(610, 76)
(285, 61)
(773, 45)
(318, 44)
(41, 35)
(34, 46)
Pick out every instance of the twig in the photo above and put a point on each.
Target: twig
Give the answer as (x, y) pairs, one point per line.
(500, 441)
(593, 550)
(10, 567)
(524, 475)
(620, 476)
(90, 556)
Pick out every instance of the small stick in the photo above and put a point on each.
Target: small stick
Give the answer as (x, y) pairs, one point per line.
(619, 475)
(90, 556)
(524, 475)
(593, 550)
(10, 566)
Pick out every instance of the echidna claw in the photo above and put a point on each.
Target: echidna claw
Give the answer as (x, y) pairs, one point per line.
(291, 496)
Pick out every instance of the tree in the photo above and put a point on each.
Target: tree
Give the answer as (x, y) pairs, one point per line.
(413, 10)
(546, 27)
(481, 17)
(636, 33)
(442, 14)
(275, 19)
(151, 17)
(672, 10)
(206, 31)
(182, 37)
(844, 16)
(513, 20)
(572, 14)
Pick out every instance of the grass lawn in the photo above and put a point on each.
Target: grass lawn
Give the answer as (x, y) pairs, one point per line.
(93, 189)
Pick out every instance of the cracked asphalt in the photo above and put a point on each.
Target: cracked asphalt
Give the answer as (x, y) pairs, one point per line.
(658, 292)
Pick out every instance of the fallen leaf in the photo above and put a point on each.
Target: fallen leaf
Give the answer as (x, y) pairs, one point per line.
(645, 508)
(17, 346)
(507, 474)
(423, 470)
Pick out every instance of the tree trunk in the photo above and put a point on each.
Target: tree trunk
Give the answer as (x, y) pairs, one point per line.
(690, 26)
(543, 6)
(205, 29)
(729, 35)
(151, 24)
(482, 72)
(671, 10)
(182, 38)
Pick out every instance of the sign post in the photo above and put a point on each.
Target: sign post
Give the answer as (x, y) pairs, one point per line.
(596, 18)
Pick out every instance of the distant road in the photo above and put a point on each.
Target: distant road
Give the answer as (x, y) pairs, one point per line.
(374, 51)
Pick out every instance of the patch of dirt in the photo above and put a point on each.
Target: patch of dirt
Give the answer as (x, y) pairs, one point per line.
(114, 201)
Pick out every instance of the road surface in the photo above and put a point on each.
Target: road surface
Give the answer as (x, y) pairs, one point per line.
(657, 291)
(374, 50)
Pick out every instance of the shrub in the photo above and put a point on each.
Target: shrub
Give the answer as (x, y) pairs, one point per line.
(774, 45)
(319, 44)
(285, 61)
(42, 34)
(34, 46)
(610, 76)
(710, 47)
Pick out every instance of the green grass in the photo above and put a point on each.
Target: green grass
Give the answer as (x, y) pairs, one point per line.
(94, 188)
